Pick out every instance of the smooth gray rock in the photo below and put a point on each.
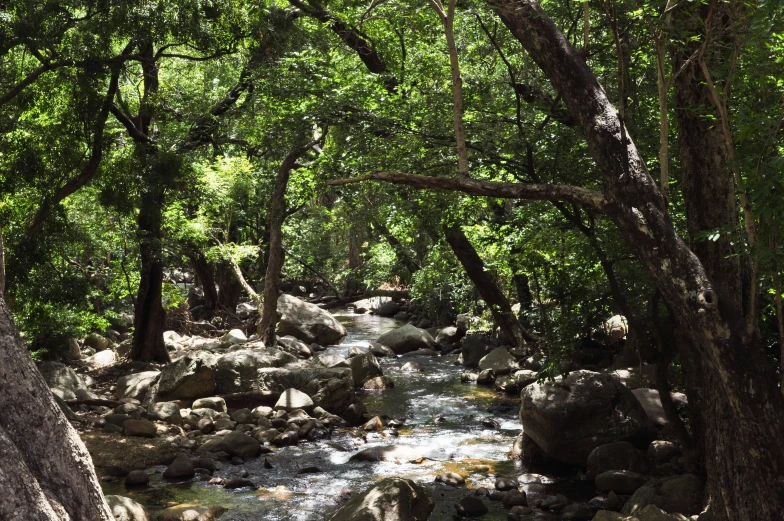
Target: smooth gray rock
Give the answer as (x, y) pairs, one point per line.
(364, 367)
(236, 371)
(215, 403)
(192, 376)
(499, 360)
(475, 347)
(292, 399)
(168, 412)
(135, 386)
(308, 322)
(60, 375)
(126, 509)
(406, 339)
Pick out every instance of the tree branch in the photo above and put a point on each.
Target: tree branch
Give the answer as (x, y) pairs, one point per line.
(536, 191)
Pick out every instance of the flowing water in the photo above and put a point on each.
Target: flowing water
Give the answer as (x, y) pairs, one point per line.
(446, 429)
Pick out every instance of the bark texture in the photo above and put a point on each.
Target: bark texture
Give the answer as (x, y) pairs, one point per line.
(46, 472)
(739, 400)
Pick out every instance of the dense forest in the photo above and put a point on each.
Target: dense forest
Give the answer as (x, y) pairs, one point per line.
(588, 186)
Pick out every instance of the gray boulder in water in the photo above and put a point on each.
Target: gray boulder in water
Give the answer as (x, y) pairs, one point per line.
(308, 322)
(569, 417)
(407, 339)
(392, 499)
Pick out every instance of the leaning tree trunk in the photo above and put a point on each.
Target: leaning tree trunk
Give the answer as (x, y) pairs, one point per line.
(486, 286)
(738, 396)
(149, 320)
(46, 472)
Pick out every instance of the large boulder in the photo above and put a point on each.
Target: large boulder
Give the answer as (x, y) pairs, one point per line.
(308, 322)
(60, 375)
(675, 494)
(651, 402)
(570, 416)
(389, 308)
(620, 455)
(406, 339)
(135, 386)
(192, 376)
(332, 389)
(392, 499)
(475, 347)
(126, 509)
(499, 360)
(292, 399)
(236, 371)
(364, 367)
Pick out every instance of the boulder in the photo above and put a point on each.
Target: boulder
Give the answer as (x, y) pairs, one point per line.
(661, 451)
(60, 375)
(331, 360)
(181, 468)
(620, 455)
(475, 347)
(616, 328)
(141, 428)
(471, 506)
(379, 383)
(308, 322)
(392, 499)
(292, 399)
(499, 360)
(135, 386)
(97, 342)
(126, 509)
(192, 376)
(682, 494)
(168, 412)
(449, 336)
(294, 346)
(572, 415)
(380, 350)
(364, 367)
(236, 371)
(136, 478)
(406, 339)
(101, 359)
(216, 403)
(620, 481)
(387, 309)
(241, 445)
(233, 337)
(651, 402)
(332, 389)
(524, 377)
(192, 513)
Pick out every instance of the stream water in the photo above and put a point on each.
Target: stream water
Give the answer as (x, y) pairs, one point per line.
(445, 429)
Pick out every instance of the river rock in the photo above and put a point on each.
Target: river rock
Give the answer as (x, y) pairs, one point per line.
(406, 339)
(392, 499)
(126, 509)
(101, 359)
(192, 513)
(393, 453)
(651, 402)
(292, 399)
(380, 350)
(181, 468)
(471, 506)
(682, 494)
(411, 367)
(308, 322)
(451, 478)
(387, 309)
(97, 342)
(241, 445)
(331, 360)
(192, 376)
(332, 389)
(620, 481)
(661, 451)
(168, 412)
(136, 478)
(135, 386)
(524, 377)
(448, 337)
(236, 371)
(294, 346)
(379, 383)
(216, 403)
(570, 416)
(60, 375)
(364, 367)
(233, 337)
(620, 455)
(499, 360)
(485, 377)
(475, 347)
(141, 428)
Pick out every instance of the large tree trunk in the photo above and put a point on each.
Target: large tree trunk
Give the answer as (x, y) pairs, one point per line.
(206, 279)
(149, 320)
(736, 388)
(486, 286)
(46, 472)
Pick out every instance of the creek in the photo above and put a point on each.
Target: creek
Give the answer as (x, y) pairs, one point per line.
(448, 426)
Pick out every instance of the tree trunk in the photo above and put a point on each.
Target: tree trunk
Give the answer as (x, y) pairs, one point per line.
(486, 286)
(46, 472)
(205, 278)
(277, 214)
(400, 252)
(149, 320)
(734, 386)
